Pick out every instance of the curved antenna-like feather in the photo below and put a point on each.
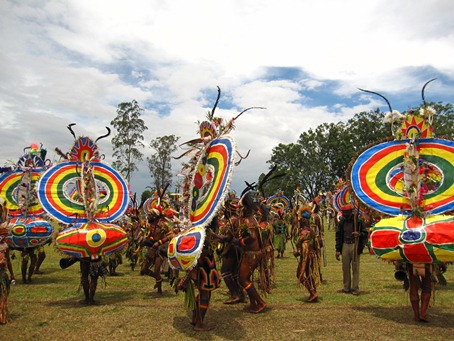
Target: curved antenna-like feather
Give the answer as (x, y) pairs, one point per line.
(422, 91)
(59, 152)
(71, 130)
(103, 136)
(193, 141)
(376, 93)
(241, 113)
(163, 191)
(277, 176)
(215, 103)
(268, 178)
(242, 157)
(265, 179)
(248, 188)
(184, 154)
(230, 125)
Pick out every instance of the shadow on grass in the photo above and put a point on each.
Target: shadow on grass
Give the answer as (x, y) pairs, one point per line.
(153, 294)
(305, 298)
(44, 279)
(399, 285)
(437, 317)
(396, 286)
(101, 299)
(224, 323)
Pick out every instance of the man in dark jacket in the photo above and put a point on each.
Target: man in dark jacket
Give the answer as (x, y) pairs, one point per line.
(351, 236)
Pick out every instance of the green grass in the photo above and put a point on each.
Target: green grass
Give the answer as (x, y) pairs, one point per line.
(129, 309)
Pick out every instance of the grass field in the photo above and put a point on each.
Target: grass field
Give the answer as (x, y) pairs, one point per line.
(129, 309)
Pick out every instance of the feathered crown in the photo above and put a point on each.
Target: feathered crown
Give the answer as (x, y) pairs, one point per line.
(304, 212)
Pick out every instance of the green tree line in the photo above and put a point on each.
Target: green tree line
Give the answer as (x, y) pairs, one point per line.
(320, 156)
(314, 162)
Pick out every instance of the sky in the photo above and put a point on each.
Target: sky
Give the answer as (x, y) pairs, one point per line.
(74, 61)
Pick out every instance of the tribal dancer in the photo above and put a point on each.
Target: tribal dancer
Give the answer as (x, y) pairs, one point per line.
(135, 238)
(266, 237)
(231, 254)
(420, 277)
(205, 277)
(28, 254)
(157, 236)
(280, 233)
(40, 259)
(308, 270)
(90, 271)
(253, 256)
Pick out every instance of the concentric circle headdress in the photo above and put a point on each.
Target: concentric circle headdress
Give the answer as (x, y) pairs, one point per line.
(211, 167)
(207, 182)
(88, 194)
(27, 226)
(412, 179)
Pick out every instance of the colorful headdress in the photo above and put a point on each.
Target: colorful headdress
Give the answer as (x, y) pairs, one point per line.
(89, 193)
(407, 175)
(26, 227)
(206, 185)
(304, 212)
(409, 178)
(207, 180)
(82, 188)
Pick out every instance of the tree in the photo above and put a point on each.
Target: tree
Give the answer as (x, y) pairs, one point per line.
(128, 140)
(316, 173)
(321, 156)
(287, 158)
(144, 196)
(159, 163)
(443, 119)
(366, 128)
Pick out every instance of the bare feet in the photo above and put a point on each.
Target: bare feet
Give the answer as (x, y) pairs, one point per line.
(423, 319)
(255, 309)
(250, 308)
(232, 300)
(260, 309)
(202, 327)
(312, 298)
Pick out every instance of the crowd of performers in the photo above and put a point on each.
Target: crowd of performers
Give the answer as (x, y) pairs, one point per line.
(244, 233)
(244, 238)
